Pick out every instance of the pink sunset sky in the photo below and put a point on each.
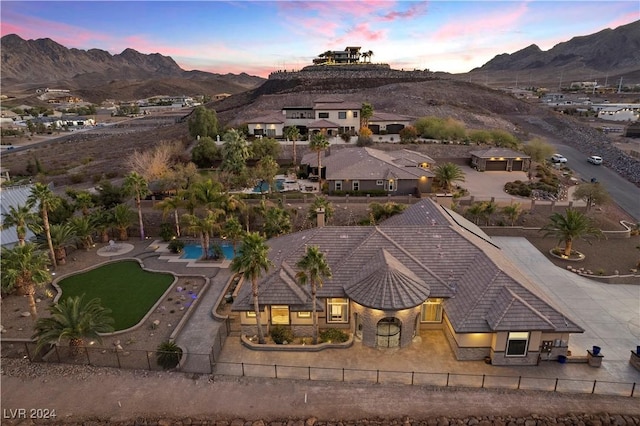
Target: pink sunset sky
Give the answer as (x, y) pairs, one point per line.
(263, 36)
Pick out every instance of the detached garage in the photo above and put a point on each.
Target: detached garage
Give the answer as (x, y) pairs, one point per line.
(500, 159)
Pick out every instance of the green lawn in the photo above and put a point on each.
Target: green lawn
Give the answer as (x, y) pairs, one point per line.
(123, 287)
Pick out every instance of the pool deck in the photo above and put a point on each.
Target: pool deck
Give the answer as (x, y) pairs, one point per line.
(162, 247)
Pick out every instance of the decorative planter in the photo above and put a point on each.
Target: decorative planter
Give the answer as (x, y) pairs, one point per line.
(575, 256)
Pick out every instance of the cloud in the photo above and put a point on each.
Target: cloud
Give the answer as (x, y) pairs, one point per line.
(361, 32)
(414, 11)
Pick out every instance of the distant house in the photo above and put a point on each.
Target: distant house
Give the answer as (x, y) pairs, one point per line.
(388, 123)
(270, 125)
(620, 113)
(330, 115)
(425, 269)
(350, 55)
(500, 159)
(362, 169)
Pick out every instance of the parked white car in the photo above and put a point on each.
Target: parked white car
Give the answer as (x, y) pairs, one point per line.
(594, 159)
(558, 158)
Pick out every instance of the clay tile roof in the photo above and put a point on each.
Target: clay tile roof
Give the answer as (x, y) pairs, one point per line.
(385, 283)
(511, 313)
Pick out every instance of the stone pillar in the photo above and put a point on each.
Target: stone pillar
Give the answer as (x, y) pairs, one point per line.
(320, 216)
(594, 360)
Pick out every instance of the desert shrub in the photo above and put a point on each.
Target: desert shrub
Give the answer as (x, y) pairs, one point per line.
(77, 178)
(333, 335)
(281, 334)
(168, 355)
(517, 188)
(176, 246)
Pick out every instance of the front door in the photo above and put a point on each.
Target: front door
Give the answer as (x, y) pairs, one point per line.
(388, 333)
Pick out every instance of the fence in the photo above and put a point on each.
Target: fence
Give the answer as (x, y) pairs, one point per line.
(146, 360)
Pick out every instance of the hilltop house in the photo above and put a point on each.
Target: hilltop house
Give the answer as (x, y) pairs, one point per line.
(350, 55)
(363, 169)
(427, 268)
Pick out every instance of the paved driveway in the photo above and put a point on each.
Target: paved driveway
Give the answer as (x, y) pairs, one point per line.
(485, 185)
(609, 313)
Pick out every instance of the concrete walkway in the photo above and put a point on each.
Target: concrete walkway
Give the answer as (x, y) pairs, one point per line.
(197, 337)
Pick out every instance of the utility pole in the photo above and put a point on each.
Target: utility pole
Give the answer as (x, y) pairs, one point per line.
(620, 86)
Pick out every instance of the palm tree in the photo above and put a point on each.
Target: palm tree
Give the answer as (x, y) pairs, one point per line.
(83, 227)
(366, 112)
(293, 134)
(318, 144)
(75, 320)
(123, 218)
(475, 210)
(171, 204)
(23, 218)
(232, 230)
(570, 227)
(204, 227)
(62, 236)
(512, 212)
(313, 269)
(320, 202)
(386, 210)
(488, 210)
(277, 221)
(136, 185)
(42, 195)
(23, 269)
(84, 201)
(252, 260)
(103, 221)
(448, 173)
(232, 203)
(329, 55)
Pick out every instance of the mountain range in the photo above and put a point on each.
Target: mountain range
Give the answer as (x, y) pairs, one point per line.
(96, 75)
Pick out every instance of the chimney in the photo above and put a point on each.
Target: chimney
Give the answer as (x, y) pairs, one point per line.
(320, 216)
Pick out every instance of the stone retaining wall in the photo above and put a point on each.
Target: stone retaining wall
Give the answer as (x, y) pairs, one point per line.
(360, 71)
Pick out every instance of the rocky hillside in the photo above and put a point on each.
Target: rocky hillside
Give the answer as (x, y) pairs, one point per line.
(97, 75)
(617, 49)
(608, 54)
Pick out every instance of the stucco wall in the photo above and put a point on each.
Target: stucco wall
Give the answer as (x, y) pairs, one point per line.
(369, 319)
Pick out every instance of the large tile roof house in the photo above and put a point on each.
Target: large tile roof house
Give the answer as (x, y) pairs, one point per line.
(399, 172)
(427, 268)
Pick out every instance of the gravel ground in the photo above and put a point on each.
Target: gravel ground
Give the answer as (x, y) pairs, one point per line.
(87, 395)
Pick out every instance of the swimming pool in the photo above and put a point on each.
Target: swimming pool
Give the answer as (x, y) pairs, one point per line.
(194, 251)
(264, 186)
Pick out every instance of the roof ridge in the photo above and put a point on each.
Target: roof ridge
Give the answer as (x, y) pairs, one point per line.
(412, 257)
(477, 300)
(528, 305)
